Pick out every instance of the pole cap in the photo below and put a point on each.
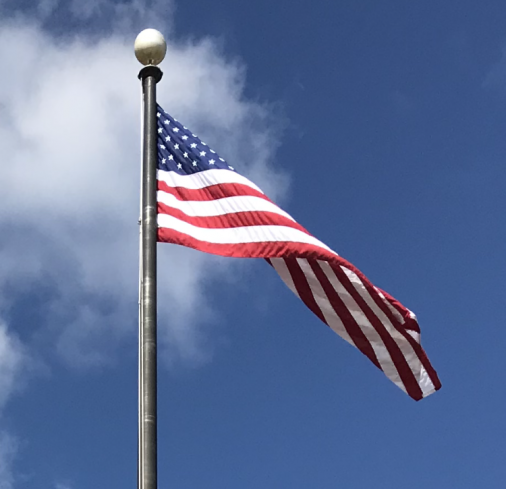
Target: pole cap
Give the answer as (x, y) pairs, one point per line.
(150, 47)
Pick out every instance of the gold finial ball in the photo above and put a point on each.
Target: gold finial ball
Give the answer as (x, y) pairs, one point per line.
(150, 47)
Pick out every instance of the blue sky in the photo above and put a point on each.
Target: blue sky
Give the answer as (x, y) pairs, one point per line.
(378, 125)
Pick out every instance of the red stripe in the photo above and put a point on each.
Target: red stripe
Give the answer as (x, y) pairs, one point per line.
(233, 220)
(398, 358)
(213, 192)
(351, 326)
(274, 249)
(303, 288)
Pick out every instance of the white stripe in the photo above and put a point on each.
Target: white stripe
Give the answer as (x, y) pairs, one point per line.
(203, 179)
(425, 383)
(381, 351)
(247, 234)
(331, 318)
(219, 207)
(407, 350)
(414, 334)
(281, 267)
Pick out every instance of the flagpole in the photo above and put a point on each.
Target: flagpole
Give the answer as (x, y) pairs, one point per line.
(150, 50)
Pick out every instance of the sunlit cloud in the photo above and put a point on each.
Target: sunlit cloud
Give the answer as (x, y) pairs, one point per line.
(69, 139)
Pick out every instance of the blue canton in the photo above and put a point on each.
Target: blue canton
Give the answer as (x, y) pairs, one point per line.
(181, 151)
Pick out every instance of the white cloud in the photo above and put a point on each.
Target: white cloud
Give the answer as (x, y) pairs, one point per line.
(13, 359)
(63, 485)
(126, 16)
(90, 15)
(69, 180)
(69, 140)
(8, 451)
(13, 362)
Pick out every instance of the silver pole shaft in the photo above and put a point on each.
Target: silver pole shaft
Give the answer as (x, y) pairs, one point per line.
(147, 457)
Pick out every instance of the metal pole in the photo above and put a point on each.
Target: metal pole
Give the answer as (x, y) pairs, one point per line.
(147, 457)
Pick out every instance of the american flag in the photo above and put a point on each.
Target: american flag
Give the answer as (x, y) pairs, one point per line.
(203, 203)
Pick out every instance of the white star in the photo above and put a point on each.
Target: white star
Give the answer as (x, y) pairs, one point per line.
(162, 146)
(176, 146)
(164, 160)
(160, 130)
(158, 114)
(176, 129)
(194, 163)
(166, 121)
(212, 151)
(171, 157)
(211, 162)
(194, 135)
(221, 159)
(185, 155)
(185, 137)
(230, 167)
(202, 153)
(179, 165)
(167, 138)
(193, 145)
(203, 144)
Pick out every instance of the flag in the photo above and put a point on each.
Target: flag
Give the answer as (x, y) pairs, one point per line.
(203, 203)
